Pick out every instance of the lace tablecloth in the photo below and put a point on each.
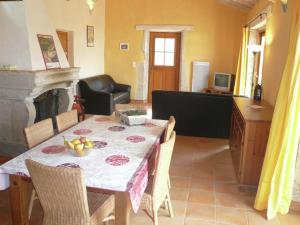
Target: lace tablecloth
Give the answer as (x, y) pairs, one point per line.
(118, 161)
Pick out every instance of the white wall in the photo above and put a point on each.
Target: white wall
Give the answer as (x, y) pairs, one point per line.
(74, 16)
(39, 22)
(13, 41)
(20, 22)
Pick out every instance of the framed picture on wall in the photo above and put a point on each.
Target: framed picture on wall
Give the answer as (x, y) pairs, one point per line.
(48, 51)
(124, 46)
(90, 36)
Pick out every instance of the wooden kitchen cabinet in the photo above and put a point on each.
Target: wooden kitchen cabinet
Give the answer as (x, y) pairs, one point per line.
(248, 138)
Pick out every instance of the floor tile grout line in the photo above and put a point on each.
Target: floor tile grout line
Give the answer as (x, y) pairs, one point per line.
(215, 194)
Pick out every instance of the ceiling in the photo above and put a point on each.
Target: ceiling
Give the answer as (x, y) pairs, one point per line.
(243, 4)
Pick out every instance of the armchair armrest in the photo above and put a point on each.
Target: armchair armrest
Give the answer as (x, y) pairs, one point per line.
(99, 102)
(101, 94)
(122, 87)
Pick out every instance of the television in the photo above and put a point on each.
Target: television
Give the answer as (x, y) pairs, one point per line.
(223, 82)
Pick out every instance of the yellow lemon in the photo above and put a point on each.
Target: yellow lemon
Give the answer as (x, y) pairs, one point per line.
(76, 141)
(88, 144)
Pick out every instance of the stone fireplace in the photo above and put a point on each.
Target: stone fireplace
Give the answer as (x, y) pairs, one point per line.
(31, 92)
(19, 92)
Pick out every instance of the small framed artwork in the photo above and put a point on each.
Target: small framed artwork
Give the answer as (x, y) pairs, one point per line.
(48, 51)
(124, 46)
(90, 36)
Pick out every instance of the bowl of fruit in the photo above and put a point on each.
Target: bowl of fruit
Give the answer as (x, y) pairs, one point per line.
(79, 146)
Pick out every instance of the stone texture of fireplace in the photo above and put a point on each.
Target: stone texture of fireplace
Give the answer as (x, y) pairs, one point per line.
(18, 90)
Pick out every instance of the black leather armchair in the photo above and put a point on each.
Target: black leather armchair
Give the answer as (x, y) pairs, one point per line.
(101, 93)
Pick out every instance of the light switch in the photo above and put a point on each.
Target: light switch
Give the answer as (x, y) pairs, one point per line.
(134, 64)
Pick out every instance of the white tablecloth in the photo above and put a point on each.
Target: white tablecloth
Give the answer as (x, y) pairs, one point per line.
(4, 180)
(118, 161)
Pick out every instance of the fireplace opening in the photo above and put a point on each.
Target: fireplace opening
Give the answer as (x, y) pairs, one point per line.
(47, 106)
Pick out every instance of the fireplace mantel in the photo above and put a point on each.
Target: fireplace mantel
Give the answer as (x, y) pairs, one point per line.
(18, 89)
(29, 84)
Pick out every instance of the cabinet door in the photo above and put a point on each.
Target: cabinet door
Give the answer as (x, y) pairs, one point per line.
(255, 147)
(237, 140)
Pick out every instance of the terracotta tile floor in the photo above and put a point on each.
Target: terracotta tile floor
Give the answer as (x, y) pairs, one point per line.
(204, 191)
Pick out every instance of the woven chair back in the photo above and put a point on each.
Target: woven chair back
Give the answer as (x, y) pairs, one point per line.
(170, 128)
(66, 120)
(62, 193)
(38, 132)
(160, 184)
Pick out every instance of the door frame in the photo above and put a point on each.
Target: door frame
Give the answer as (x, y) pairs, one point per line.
(143, 74)
(177, 62)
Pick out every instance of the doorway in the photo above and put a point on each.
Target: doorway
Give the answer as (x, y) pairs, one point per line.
(66, 40)
(164, 62)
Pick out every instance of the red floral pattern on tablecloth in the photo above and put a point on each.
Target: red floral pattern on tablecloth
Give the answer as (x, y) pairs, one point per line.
(136, 139)
(137, 186)
(82, 131)
(69, 165)
(99, 144)
(117, 160)
(102, 119)
(53, 149)
(116, 128)
(21, 174)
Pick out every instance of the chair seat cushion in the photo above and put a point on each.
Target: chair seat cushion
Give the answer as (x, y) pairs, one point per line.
(120, 97)
(100, 206)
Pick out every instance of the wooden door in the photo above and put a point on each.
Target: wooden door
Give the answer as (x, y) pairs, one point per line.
(164, 62)
(63, 37)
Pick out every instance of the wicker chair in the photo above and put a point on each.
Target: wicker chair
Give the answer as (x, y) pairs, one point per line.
(34, 135)
(168, 132)
(167, 135)
(157, 191)
(64, 198)
(38, 132)
(170, 128)
(66, 120)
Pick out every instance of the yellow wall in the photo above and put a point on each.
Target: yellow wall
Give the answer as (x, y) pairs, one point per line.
(216, 37)
(277, 34)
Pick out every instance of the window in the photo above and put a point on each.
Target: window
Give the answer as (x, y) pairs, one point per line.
(261, 57)
(255, 60)
(164, 52)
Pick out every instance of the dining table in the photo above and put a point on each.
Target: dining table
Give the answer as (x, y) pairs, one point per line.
(118, 163)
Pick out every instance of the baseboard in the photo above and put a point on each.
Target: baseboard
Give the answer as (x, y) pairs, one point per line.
(138, 101)
(295, 206)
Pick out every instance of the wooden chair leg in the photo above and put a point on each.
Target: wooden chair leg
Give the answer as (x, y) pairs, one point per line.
(170, 207)
(155, 218)
(169, 182)
(32, 198)
(166, 205)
